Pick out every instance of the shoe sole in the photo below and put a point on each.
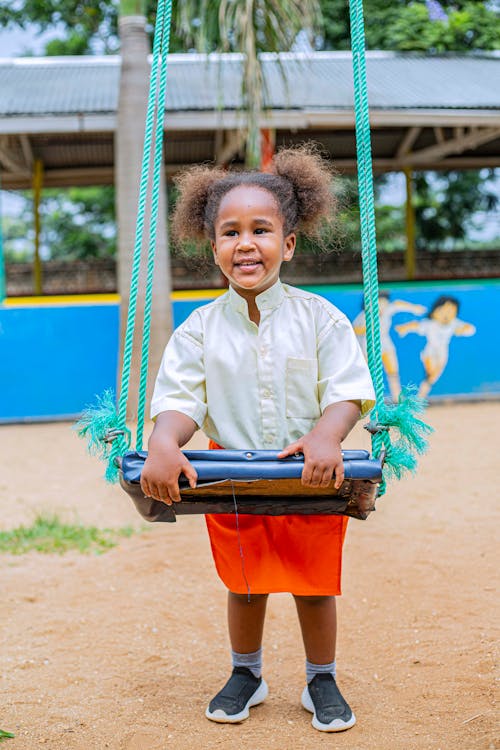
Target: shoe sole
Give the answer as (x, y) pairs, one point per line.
(337, 725)
(222, 717)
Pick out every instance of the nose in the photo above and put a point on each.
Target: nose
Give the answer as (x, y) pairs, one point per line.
(246, 241)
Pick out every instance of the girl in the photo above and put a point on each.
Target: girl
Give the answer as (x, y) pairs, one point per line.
(264, 366)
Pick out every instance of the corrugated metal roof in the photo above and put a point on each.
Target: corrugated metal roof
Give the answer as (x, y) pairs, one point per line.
(321, 80)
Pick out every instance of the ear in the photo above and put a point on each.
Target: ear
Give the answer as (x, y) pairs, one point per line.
(289, 246)
(214, 251)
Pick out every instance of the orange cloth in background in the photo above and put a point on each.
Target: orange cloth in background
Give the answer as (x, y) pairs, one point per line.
(298, 554)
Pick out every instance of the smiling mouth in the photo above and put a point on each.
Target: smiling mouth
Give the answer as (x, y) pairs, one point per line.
(248, 263)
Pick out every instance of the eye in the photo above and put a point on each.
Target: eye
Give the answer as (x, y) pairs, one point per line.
(230, 233)
(261, 230)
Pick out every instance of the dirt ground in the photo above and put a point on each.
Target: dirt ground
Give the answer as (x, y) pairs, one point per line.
(123, 650)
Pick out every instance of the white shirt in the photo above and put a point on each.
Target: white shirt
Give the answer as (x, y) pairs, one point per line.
(264, 386)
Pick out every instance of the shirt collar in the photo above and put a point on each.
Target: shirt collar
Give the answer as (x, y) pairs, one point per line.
(267, 300)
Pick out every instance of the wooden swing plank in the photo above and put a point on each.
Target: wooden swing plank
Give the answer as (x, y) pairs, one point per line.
(257, 483)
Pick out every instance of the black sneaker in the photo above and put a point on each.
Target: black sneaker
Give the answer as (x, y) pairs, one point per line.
(323, 699)
(242, 691)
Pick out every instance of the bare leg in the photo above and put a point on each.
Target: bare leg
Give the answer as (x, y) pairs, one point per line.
(394, 386)
(425, 387)
(244, 688)
(318, 623)
(246, 621)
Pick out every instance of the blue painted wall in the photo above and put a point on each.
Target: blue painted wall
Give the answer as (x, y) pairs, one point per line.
(55, 359)
(473, 366)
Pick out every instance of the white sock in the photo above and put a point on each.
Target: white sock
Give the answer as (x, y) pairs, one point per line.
(252, 661)
(313, 669)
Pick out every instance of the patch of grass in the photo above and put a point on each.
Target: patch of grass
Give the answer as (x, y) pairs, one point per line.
(6, 735)
(49, 535)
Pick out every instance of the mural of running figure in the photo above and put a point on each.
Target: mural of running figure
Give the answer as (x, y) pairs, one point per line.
(387, 309)
(438, 328)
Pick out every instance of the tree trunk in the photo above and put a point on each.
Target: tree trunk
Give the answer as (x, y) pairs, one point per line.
(132, 105)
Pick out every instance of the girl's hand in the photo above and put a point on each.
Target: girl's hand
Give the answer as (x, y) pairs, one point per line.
(161, 472)
(166, 462)
(322, 459)
(321, 446)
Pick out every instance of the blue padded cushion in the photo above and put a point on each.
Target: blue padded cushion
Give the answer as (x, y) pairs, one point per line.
(218, 465)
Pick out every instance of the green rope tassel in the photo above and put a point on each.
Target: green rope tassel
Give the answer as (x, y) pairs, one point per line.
(105, 434)
(411, 433)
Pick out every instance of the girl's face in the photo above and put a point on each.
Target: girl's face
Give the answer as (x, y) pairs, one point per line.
(249, 245)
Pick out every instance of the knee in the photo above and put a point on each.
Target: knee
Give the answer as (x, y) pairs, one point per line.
(313, 601)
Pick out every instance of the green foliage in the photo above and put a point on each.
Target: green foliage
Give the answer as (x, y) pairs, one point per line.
(92, 22)
(473, 27)
(405, 25)
(445, 203)
(91, 26)
(49, 535)
(74, 44)
(79, 223)
(6, 735)
(75, 223)
(17, 238)
(389, 219)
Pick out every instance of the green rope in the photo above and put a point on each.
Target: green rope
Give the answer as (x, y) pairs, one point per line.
(100, 424)
(402, 416)
(155, 193)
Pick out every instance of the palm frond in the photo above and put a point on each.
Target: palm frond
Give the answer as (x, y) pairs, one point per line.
(248, 27)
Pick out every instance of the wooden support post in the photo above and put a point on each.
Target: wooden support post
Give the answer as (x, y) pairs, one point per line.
(37, 193)
(267, 145)
(410, 254)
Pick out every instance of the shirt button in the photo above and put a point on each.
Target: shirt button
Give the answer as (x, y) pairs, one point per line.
(263, 350)
(266, 393)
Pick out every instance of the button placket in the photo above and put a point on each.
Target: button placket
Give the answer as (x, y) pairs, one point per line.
(265, 375)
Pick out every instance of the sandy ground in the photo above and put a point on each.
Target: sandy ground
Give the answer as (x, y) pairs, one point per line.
(124, 649)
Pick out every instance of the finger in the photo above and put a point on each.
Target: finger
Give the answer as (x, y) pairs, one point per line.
(339, 475)
(174, 493)
(291, 449)
(145, 487)
(161, 494)
(327, 477)
(191, 475)
(306, 475)
(316, 477)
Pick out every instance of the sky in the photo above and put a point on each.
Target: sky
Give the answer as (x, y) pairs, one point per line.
(17, 42)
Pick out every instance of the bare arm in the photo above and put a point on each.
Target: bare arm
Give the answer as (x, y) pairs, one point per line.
(321, 446)
(403, 306)
(405, 328)
(165, 461)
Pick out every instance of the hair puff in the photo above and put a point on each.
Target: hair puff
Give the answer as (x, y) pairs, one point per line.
(188, 221)
(311, 177)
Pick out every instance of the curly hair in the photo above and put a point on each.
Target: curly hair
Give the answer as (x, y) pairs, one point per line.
(300, 181)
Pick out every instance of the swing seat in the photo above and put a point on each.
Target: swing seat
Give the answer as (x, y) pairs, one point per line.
(256, 482)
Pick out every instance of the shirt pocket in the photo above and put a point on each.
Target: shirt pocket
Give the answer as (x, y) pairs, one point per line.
(302, 388)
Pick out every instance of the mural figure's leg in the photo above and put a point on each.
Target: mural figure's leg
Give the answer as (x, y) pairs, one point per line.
(425, 387)
(390, 362)
(433, 371)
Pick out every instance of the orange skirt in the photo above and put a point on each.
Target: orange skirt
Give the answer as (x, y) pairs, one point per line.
(269, 554)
